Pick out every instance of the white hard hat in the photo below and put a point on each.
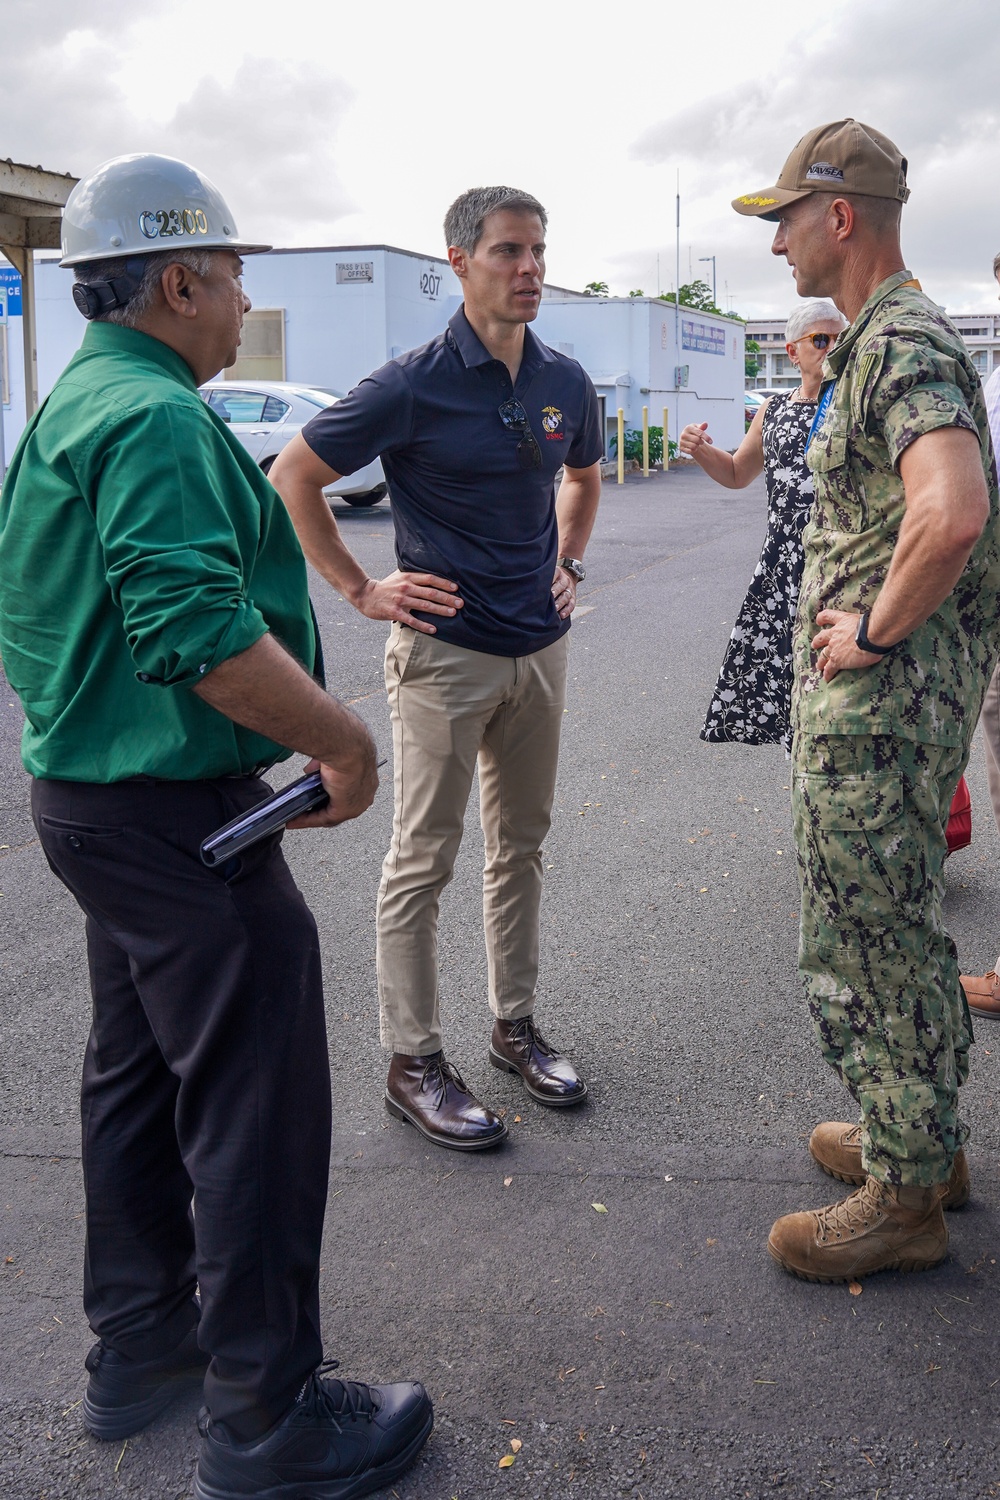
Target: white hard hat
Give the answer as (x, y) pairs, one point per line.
(135, 205)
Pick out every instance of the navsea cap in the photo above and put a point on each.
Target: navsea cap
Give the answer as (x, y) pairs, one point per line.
(135, 205)
(844, 157)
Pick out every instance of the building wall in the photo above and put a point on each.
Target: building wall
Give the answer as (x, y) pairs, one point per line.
(347, 310)
(628, 347)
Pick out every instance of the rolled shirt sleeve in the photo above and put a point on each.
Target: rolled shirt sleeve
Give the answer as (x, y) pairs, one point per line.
(172, 544)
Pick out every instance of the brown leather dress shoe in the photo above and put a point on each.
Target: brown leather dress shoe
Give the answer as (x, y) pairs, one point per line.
(519, 1047)
(429, 1094)
(983, 994)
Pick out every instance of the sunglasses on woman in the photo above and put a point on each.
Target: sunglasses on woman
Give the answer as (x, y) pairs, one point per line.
(818, 340)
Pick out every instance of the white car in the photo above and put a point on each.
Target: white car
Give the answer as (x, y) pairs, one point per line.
(266, 414)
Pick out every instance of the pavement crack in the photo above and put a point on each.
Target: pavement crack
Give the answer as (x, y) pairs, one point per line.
(16, 848)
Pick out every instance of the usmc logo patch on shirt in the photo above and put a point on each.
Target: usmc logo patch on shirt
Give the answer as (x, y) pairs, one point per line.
(552, 421)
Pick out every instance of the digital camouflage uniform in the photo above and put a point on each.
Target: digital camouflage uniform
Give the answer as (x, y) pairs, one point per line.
(878, 751)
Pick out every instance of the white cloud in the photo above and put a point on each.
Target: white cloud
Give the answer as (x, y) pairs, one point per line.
(267, 135)
(924, 75)
(331, 123)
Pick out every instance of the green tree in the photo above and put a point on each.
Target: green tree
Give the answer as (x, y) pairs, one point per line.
(752, 366)
(695, 294)
(596, 289)
(638, 292)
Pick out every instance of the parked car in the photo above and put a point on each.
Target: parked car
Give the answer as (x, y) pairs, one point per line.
(266, 414)
(752, 402)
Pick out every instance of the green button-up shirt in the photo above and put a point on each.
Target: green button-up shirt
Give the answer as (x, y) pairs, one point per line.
(140, 546)
(899, 371)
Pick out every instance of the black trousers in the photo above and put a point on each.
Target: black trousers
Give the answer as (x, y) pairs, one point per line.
(206, 1077)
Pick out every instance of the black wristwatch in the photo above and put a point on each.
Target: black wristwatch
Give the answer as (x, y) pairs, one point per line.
(863, 643)
(573, 565)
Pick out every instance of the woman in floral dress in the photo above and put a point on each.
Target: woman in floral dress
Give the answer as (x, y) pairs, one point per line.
(753, 695)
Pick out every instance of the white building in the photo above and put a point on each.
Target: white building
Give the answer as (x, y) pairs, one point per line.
(640, 351)
(981, 332)
(328, 316)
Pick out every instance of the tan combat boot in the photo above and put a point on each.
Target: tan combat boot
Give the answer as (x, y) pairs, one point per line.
(878, 1228)
(836, 1147)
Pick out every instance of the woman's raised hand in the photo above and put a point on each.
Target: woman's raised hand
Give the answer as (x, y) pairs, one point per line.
(693, 437)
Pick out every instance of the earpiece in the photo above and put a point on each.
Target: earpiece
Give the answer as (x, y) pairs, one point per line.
(97, 297)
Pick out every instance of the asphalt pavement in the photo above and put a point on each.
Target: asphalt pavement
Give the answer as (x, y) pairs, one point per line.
(598, 1290)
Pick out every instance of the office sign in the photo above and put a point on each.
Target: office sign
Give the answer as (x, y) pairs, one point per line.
(350, 271)
(703, 338)
(10, 281)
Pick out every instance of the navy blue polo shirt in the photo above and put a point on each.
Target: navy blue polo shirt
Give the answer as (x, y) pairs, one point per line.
(462, 505)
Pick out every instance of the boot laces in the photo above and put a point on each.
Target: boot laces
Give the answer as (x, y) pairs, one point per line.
(853, 1215)
(524, 1034)
(438, 1073)
(336, 1399)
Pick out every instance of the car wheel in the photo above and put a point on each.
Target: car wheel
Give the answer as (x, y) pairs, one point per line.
(267, 464)
(367, 497)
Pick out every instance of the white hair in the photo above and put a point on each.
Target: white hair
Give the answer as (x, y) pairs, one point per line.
(804, 318)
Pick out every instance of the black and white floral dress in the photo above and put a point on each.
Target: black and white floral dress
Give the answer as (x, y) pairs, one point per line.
(753, 695)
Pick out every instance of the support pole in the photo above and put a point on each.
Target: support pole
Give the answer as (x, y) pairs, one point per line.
(666, 443)
(645, 442)
(621, 445)
(30, 337)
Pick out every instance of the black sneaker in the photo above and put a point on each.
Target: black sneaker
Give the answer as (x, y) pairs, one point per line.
(339, 1440)
(124, 1395)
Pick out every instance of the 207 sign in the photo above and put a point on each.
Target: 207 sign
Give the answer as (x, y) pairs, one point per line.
(430, 285)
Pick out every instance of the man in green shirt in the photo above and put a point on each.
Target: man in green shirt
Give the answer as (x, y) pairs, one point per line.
(897, 633)
(155, 624)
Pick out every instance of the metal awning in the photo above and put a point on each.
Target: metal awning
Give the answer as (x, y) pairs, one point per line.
(31, 204)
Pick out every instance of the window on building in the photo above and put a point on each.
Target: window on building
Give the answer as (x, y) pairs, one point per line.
(261, 355)
(980, 360)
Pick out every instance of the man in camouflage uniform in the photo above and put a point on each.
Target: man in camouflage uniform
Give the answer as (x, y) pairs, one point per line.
(896, 636)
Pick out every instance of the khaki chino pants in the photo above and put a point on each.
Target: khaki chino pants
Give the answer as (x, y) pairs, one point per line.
(451, 708)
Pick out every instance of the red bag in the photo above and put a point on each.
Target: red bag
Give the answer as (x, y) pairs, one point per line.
(959, 830)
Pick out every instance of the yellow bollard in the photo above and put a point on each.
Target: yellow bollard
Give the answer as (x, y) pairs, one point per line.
(645, 442)
(621, 445)
(666, 449)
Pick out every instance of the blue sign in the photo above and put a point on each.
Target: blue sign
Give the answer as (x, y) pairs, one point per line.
(703, 338)
(10, 280)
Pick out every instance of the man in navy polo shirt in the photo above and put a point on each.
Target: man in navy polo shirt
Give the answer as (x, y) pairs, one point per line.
(471, 430)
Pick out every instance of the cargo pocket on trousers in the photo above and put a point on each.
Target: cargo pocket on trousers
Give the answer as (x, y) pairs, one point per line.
(898, 1117)
(864, 862)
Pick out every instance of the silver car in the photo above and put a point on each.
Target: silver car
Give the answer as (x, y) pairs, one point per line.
(266, 414)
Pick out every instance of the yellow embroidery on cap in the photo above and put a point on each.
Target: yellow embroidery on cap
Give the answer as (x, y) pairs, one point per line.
(758, 202)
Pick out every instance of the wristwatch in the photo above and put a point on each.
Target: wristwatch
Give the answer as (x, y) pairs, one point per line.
(573, 565)
(864, 644)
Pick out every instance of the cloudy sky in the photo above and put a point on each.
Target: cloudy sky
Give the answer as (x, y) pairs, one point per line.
(332, 123)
